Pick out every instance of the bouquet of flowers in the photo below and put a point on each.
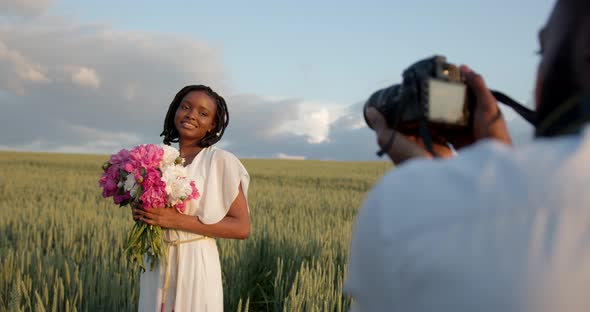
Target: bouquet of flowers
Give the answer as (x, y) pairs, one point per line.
(149, 177)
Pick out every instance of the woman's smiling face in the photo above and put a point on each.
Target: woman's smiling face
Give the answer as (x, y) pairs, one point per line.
(195, 116)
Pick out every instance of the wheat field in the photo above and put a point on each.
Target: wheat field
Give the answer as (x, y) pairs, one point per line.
(62, 244)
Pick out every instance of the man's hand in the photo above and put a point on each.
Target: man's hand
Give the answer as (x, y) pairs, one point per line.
(488, 121)
(403, 148)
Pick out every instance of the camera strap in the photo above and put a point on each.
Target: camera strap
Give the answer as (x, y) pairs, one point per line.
(398, 112)
(526, 113)
(387, 146)
(424, 134)
(567, 118)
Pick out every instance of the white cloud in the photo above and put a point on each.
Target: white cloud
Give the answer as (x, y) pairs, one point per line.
(95, 147)
(136, 73)
(24, 7)
(358, 125)
(344, 141)
(33, 146)
(16, 70)
(80, 139)
(131, 91)
(138, 76)
(83, 76)
(100, 135)
(313, 121)
(291, 157)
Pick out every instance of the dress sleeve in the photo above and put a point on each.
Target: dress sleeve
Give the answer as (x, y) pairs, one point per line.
(221, 186)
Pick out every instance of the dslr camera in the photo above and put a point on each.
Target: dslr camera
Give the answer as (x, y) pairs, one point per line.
(433, 102)
(433, 91)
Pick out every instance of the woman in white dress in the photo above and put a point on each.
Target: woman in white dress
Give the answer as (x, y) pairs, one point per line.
(190, 279)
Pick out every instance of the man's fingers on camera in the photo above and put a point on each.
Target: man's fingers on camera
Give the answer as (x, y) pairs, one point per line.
(488, 120)
(473, 79)
(485, 100)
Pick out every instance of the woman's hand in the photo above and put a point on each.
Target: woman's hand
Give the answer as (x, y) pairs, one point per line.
(165, 217)
(236, 224)
(134, 205)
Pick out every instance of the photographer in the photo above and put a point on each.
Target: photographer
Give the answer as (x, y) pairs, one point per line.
(488, 122)
(495, 228)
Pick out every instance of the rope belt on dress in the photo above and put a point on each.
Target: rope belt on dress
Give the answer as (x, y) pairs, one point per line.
(176, 243)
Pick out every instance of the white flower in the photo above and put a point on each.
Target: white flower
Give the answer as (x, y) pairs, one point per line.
(131, 185)
(177, 183)
(170, 155)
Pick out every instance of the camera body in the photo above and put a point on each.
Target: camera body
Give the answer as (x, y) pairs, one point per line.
(432, 90)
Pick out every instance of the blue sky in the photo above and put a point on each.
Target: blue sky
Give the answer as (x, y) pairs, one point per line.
(339, 51)
(325, 56)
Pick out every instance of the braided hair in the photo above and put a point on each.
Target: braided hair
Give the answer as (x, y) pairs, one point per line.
(170, 133)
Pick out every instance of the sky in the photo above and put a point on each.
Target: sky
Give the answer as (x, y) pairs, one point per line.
(97, 76)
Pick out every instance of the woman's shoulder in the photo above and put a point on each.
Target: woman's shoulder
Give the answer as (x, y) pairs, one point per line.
(217, 152)
(223, 162)
(219, 155)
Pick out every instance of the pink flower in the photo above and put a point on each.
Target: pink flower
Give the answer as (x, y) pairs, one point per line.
(154, 190)
(138, 170)
(195, 194)
(130, 167)
(181, 207)
(108, 181)
(144, 156)
(120, 159)
(143, 162)
(121, 198)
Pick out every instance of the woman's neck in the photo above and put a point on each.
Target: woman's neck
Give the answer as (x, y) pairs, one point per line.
(188, 150)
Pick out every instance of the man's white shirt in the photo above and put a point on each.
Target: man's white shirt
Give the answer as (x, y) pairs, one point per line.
(496, 228)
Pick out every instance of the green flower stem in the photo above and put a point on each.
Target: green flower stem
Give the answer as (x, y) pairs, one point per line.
(145, 239)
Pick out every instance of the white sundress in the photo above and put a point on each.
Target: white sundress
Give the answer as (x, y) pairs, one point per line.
(194, 278)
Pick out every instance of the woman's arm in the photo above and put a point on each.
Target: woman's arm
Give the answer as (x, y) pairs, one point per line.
(236, 224)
